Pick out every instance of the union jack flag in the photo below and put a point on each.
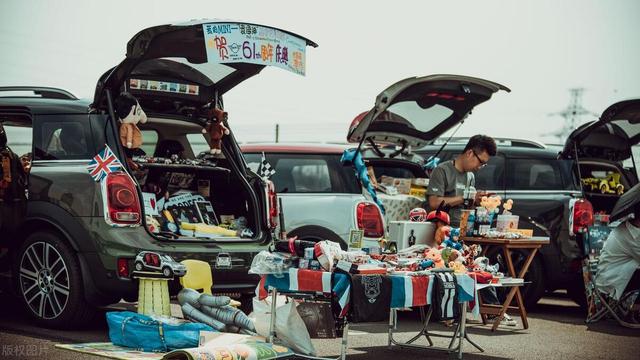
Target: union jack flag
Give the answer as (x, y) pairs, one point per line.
(103, 164)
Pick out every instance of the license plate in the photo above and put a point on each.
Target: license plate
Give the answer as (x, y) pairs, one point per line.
(223, 261)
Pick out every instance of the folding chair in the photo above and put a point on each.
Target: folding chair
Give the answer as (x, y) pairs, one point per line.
(618, 309)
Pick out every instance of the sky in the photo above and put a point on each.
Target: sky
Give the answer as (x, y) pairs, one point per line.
(538, 48)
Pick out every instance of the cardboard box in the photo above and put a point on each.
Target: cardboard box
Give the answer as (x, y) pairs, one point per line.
(402, 185)
(523, 232)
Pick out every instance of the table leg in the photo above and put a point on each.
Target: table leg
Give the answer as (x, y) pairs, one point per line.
(345, 336)
(463, 325)
(272, 318)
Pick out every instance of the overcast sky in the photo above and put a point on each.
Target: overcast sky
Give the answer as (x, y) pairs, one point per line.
(539, 48)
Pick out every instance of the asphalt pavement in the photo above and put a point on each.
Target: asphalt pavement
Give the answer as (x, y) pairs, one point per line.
(556, 331)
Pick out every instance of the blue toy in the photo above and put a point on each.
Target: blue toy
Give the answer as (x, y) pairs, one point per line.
(350, 157)
(452, 240)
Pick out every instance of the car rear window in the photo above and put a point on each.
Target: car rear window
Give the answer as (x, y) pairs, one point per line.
(307, 173)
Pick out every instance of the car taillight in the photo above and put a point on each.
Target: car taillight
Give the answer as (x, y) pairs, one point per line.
(123, 206)
(582, 216)
(123, 267)
(273, 204)
(369, 219)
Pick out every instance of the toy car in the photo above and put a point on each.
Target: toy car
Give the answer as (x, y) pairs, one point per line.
(153, 261)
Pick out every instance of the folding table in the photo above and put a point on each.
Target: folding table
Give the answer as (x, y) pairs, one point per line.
(532, 244)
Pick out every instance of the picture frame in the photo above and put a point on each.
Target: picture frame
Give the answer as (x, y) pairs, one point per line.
(355, 238)
(206, 212)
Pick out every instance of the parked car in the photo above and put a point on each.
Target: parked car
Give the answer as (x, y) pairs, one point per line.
(321, 197)
(545, 184)
(78, 243)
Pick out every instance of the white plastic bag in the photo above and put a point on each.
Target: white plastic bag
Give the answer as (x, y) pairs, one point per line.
(290, 329)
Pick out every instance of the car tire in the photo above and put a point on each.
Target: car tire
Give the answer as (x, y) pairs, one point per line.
(166, 271)
(317, 233)
(531, 292)
(49, 282)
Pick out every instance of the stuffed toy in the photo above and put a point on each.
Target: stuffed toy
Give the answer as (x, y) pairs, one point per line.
(216, 129)
(507, 206)
(130, 113)
(441, 219)
(452, 240)
(434, 255)
(457, 267)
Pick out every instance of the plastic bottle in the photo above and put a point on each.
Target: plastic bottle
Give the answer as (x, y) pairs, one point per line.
(471, 223)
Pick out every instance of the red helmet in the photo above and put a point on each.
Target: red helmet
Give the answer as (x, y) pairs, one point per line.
(438, 215)
(418, 215)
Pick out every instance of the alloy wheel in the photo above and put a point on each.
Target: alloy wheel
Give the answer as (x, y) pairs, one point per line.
(44, 280)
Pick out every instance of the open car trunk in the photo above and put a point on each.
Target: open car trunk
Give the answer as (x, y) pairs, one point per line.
(186, 198)
(603, 151)
(178, 74)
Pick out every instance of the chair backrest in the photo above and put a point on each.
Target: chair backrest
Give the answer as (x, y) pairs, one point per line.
(198, 276)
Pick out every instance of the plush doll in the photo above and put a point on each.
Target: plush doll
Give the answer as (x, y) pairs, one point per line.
(441, 219)
(457, 267)
(130, 113)
(434, 255)
(216, 129)
(452, 240)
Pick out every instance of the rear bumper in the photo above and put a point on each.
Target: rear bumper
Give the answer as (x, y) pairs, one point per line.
(104, 284)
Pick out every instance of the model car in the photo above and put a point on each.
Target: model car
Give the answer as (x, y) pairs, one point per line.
(153, 261)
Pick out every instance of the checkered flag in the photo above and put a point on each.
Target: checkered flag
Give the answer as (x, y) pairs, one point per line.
(265, 171)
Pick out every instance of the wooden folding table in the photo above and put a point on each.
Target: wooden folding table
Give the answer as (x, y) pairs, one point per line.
(532, 244)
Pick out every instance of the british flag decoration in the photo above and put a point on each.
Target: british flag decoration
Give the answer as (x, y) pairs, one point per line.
(102, 164)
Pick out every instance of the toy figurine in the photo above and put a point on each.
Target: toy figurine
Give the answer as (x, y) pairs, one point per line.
(441, 219)
(215, 128)
(130, 114)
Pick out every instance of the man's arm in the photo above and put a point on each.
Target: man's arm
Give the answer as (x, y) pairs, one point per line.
(435, 201)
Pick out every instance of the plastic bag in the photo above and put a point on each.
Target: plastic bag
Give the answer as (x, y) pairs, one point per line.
(290, 328)
(270, 263)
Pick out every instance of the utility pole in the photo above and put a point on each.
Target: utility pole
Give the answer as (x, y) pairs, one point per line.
(277, 132)
(572, 114)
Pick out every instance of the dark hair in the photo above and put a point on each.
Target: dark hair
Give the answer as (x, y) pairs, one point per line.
(480, 143)
(123, 104)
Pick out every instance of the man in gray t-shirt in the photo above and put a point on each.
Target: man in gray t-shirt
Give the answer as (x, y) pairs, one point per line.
(449, 180)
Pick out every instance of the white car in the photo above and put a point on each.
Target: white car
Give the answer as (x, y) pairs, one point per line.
(149, 260)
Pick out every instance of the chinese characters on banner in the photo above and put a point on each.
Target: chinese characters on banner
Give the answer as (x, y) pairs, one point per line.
(232, 42)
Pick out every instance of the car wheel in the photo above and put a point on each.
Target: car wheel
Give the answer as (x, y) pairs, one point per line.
(138, 266)
(50, 282)
(166, 271)
(317, 233)
(531, 292)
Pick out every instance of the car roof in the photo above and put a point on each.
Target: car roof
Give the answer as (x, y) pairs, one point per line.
(525, 151)
(297, 148)
(37, 105)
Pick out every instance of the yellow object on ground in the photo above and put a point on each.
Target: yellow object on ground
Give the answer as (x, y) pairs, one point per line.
(153, 297)
(198, 276)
